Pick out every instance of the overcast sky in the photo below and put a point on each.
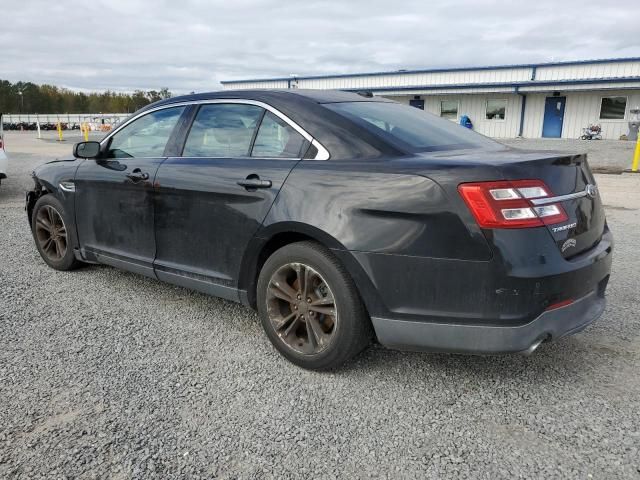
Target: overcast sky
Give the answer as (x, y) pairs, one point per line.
(193, 44)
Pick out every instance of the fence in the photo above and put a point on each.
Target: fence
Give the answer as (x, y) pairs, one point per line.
(49, 121)
(62, 117)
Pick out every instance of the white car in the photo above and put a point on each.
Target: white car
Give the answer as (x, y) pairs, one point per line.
(3, 156)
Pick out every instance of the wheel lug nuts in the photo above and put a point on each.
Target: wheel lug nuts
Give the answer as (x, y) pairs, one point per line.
(295, 307)
(312, 313)
(299, 297)
(308, 300)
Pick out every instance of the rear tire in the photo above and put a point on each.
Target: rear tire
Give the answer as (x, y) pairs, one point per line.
(54, 234)
(310, 308)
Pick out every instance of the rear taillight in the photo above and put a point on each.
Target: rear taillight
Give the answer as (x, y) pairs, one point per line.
(506, 204)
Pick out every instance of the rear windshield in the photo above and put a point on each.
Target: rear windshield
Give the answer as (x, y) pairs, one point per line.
(411, 127)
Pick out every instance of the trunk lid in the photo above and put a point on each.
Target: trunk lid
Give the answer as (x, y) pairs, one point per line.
(569, 178)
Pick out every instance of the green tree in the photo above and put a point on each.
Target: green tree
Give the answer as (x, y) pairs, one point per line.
(27, 97)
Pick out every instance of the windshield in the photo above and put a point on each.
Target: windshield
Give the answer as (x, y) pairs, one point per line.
(411, 127)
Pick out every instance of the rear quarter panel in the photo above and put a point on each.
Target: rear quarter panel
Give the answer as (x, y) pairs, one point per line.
(376, 206)
(387, 221)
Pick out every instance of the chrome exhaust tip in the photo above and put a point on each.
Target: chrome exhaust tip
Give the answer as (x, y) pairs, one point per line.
(534, 346)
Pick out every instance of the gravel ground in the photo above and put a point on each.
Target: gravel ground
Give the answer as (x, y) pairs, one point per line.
(108, 374)
(612, 156)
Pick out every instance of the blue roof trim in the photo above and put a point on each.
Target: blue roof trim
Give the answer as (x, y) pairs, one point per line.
(515, 85)
(439, 70)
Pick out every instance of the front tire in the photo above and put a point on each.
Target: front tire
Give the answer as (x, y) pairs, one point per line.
(53, 233)
(309, 307)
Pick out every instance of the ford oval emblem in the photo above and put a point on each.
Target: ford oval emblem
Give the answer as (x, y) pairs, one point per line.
(591, 190)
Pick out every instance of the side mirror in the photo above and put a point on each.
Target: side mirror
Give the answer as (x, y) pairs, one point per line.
(86, 150)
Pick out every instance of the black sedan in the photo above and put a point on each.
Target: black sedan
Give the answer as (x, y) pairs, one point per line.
(341, 218)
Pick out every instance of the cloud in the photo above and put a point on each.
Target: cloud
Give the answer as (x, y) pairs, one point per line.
(193, 44)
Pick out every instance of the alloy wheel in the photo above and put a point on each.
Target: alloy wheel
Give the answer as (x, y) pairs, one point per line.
(51, 233)
(302, 308)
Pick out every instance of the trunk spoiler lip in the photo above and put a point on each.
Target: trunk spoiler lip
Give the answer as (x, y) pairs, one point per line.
(589, 191)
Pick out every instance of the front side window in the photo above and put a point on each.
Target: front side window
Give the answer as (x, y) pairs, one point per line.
(277, 139)
(449, 109)
(145, 137)
(496, 109)
(223, 130)
(410, 127)
(613, 108)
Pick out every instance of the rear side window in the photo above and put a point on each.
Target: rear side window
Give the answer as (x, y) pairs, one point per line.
(147, 136)
(411, 128)
(222, 130)
(277, 139)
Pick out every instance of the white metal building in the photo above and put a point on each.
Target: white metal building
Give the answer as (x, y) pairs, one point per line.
(532, 100)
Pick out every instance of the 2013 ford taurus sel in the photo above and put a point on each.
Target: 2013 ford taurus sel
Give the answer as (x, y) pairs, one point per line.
(341, 218)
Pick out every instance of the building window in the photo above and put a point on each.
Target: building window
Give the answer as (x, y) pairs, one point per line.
(496, 109)
(417, 102)
(449, 109)
(613, 108)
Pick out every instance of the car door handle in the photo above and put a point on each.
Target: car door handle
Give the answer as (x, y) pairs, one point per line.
(251, 183)
(137, 176)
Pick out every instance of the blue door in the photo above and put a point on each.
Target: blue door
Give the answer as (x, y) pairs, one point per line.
(553, 116)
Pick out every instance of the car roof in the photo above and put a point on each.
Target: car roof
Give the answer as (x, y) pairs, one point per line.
(316, 96)
(335, 96)
(343, 138)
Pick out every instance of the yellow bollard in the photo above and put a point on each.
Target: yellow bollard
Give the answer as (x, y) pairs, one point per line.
(60, 139)
(636, 157)
(85, 131)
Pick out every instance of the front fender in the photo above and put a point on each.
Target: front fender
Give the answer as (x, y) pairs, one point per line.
(47, 179)
(50, 175)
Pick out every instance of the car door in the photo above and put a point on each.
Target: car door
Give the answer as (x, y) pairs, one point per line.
(213, 198)
(114, 195)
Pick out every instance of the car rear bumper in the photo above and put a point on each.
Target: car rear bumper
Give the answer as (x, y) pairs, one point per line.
(490, 339)
(483, 307)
